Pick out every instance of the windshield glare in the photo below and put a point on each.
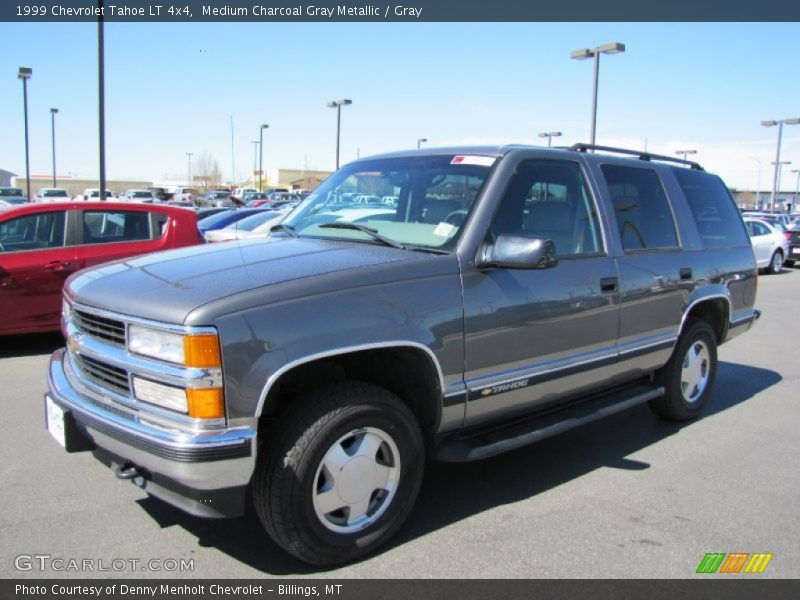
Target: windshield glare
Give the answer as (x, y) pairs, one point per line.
(415, 201)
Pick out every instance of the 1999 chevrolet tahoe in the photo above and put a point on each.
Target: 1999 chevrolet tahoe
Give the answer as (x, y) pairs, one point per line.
(500, 296)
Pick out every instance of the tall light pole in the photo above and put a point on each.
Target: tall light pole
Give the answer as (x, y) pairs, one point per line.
(189, 157)
(685, 153)
(583, 54)
(758, 187)
(25, 74)
(778, 188)
(255, 159)
(421, 141)
(550, 135)
(338, 104)
(53, 113)
(796, 188)
(261, 153)
(795, 121)
(101, 99)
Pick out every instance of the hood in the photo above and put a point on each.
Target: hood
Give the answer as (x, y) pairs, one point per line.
(167, 286)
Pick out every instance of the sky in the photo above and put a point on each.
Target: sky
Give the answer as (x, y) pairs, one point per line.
(173, 89)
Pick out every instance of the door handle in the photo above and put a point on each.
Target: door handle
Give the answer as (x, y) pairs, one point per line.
(609, 284)
(59, 266)
(686, 274)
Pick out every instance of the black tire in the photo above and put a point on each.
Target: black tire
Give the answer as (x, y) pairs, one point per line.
(775, 263)
(674, 405)
(788, 263)
(286, 483)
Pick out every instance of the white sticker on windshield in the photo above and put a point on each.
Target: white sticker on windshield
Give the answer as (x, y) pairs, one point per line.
(444, 229)
(484, 161)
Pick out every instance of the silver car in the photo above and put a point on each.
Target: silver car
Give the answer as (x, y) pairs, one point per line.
(770, 245)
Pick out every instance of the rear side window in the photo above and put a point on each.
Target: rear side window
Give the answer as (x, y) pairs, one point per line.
(101, 227)
(33, 232)
(717, 218)
(643, 213)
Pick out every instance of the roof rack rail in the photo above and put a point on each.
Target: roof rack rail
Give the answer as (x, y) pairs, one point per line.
(641, 155)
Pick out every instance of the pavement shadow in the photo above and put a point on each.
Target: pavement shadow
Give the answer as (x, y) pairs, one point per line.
(30, 344)
(453, 492)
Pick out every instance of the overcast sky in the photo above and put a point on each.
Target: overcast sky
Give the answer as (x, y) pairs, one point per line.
(173, 88)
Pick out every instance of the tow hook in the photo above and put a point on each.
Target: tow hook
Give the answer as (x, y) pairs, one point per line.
(127, 471)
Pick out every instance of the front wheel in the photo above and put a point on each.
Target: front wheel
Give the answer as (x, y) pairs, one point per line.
(339, 472)
(688, 377)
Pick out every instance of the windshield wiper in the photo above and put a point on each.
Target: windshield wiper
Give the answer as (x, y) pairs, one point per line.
(373, 233)
(284, 227)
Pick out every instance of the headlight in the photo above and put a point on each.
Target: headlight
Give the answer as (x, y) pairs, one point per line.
(190, 350)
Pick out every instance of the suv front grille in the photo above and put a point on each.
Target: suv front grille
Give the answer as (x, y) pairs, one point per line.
(107, 376)
(110, 330)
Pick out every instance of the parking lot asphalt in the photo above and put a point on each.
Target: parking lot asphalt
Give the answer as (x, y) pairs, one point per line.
(629, 496)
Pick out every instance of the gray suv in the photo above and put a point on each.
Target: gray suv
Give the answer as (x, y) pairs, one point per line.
(508, 294)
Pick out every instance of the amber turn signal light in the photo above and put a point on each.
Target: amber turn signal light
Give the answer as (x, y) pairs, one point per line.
(202, 350)
(205, 403)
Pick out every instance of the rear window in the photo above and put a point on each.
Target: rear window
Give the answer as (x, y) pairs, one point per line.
(718, 220)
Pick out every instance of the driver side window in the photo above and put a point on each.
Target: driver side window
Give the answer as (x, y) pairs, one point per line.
(549, 199)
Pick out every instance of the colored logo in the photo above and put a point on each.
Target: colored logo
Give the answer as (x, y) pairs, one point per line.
(735, 562)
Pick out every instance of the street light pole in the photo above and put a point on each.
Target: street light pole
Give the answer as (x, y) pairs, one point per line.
(583, 54)
(25, 74)
(685, 153)
(780, 172)
(337, 104)
(758, 187)
(53, 113)
(255, 159)
(189, 157)
(550, 135)
(796, 188)
(101, 99)
(261, 153)
(780, 123)
(420, 141)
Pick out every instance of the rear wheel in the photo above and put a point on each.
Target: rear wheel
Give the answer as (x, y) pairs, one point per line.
(776, 263)
(339, 472)
(688, 377)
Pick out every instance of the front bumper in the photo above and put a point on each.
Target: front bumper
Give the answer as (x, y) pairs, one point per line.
(205, 474)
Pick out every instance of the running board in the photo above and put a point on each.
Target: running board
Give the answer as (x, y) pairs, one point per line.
(489, 442)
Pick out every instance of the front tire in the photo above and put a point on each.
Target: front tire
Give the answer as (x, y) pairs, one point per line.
(689, 375)
(339, 472)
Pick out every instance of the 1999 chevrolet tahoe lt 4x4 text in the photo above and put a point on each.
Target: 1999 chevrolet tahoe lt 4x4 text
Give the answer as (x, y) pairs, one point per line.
(504, 295)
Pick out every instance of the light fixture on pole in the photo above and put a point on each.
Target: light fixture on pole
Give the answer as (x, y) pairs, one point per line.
(583, 54)
(338, 104)
(685, 153)
(421, 141)
(261, 153)
(550, 135)
(795, 121)
(25, 74)
(189, 157)
(53, 113)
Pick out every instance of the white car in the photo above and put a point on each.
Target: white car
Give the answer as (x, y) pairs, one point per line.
(770, 245)
(94, 194)
(254, 226)
(139, 196)
(51, 195)
(239, 193)
(184, 194)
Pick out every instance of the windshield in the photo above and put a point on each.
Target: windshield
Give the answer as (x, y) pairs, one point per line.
(54, 193)
(5, 192)
(251, 222)
(141, 195)
(414, 201)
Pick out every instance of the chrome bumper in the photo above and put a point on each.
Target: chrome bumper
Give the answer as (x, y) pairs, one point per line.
(176, 466)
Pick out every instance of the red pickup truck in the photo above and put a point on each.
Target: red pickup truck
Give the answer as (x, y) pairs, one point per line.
(42, 244)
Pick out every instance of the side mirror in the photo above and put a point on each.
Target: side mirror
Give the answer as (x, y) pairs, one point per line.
(518, 252)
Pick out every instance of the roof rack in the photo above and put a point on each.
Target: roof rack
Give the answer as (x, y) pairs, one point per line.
(640, 155)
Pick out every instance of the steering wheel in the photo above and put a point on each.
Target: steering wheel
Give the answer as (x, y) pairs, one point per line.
(456, 217)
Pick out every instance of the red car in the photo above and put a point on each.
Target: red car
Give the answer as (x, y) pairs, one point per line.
(42, 244)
